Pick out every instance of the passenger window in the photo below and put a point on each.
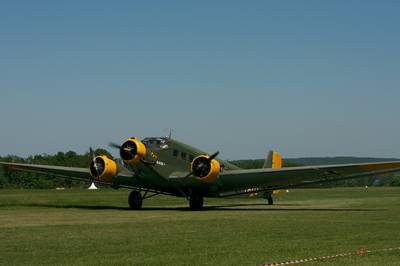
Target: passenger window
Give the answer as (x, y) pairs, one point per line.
(175, 153)
(183, 155)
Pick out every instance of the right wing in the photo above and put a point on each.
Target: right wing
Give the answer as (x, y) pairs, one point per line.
(239, 181)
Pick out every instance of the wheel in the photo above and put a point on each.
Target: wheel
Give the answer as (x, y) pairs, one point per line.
(268, 196)
(135, 200)
(270, 201)
(196, 202)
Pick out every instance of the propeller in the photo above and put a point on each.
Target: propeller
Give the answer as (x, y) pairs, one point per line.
(93, 159)
(202, 166)
(127, 150)
(213, 156)
(114, 145)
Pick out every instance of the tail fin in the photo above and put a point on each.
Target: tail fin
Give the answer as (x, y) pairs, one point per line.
(273, 160)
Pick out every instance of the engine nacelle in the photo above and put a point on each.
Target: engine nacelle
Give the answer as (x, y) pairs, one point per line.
(132, 150)
(205, 169)
(103, 169)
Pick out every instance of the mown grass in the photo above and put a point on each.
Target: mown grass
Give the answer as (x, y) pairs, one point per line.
(81, 227)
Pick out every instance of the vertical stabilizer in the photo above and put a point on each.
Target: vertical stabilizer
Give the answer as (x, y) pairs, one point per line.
(273, 160)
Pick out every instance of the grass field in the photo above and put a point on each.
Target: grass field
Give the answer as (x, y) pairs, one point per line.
(82, 227)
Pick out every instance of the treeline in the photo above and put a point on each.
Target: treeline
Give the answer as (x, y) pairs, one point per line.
(18, 179)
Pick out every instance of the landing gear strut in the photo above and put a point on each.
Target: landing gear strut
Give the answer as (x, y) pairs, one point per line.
(135, 200)
(196, 202)
(268, 196)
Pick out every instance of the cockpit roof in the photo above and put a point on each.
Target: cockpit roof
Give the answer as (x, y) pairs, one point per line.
(156, 142)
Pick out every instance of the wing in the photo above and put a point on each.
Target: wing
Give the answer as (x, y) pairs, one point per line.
(238, 181)
(56, 171)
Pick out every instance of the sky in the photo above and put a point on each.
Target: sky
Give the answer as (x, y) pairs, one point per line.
(306, 78)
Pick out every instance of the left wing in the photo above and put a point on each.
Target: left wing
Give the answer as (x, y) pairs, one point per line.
(238, 181)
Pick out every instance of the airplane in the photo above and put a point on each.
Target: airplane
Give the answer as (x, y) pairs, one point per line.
(162, 165)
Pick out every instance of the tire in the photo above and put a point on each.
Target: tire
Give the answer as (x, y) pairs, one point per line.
(270, 201)
(196, 202)
(268, 196)
(135, 200)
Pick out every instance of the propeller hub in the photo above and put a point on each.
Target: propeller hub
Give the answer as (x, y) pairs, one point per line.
(131, 151)
(102, 168)
(128, 150)
(97, 167)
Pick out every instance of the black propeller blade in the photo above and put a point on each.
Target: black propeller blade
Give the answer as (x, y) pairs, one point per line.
(114, 145)
(91, 154)
(213, 156)
(119, 147)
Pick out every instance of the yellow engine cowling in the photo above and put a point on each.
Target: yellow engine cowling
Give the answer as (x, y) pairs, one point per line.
(132, 150)
(205, 169)
(103, 169)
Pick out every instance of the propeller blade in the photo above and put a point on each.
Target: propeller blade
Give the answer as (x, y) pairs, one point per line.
(213, 156)
(93, 159)
(91, 154)
(114, 145)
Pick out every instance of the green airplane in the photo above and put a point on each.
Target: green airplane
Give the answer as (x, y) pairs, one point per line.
(162, 165)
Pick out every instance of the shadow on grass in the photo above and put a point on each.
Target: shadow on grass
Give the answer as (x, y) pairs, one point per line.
(72, 206)
(225, 207)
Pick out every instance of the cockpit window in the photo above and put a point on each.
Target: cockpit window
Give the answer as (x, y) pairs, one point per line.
(156, 143)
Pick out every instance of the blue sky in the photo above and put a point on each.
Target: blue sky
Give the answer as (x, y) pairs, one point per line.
(308, 78)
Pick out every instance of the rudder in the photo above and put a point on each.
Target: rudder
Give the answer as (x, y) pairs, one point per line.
(274, 160)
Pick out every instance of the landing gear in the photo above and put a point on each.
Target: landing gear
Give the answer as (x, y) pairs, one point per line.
(270, 200)
(196, 202)
(135, 200)
(268, 196)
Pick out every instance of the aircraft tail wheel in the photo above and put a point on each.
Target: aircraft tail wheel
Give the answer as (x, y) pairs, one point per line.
(270, 201)
(268, 196)
(135, 200)
(196, 202)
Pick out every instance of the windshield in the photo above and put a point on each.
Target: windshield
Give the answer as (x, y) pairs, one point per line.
(156, 143)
